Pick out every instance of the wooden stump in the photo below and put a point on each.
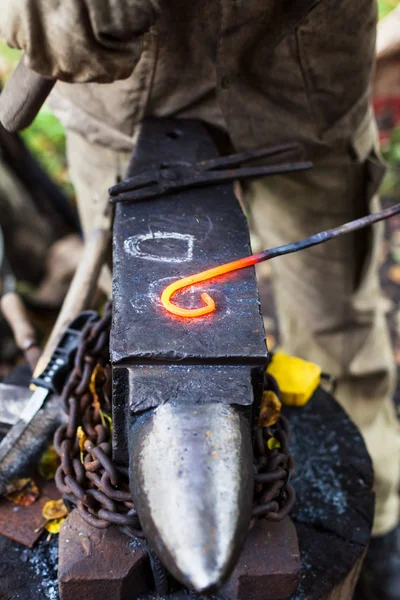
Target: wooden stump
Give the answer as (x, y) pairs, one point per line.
(334, 509)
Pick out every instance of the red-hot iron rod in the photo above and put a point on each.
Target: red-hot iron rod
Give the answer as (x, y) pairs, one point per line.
(242, 263)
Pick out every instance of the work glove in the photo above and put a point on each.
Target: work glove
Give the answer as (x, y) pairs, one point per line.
(78, 40)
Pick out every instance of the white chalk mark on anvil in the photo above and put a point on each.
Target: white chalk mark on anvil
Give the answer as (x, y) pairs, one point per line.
(161, 246)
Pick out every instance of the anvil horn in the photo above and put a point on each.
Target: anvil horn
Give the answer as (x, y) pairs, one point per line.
(191, 470)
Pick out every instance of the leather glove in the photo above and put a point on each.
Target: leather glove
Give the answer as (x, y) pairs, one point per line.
(78, 40)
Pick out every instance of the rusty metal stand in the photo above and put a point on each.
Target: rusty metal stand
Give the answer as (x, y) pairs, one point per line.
(103, 564)
(100, 563)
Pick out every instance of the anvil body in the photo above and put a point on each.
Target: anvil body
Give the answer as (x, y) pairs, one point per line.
(185, 389)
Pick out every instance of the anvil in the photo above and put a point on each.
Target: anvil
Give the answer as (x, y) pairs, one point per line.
(186, 390)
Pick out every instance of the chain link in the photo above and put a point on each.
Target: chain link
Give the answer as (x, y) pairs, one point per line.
(98, 488)
(274, 496)
(87, 476)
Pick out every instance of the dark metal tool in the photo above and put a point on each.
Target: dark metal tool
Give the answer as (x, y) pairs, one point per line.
(42, 418)
(174, 176)
(50, 381)
(13, 400)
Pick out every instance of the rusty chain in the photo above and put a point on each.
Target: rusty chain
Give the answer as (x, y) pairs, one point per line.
(99, 489)
(274, 496)
(87, 477)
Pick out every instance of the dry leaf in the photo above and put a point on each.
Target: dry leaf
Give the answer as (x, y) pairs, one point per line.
(54, 526)
(54, 509)
(48, 463)
(81, 435)
(98, 371)
(394, 274)
(270, 410)
(107, 419)
(16, 486)
(23, 492)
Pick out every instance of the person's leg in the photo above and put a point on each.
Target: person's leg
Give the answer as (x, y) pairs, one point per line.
(93, 169)
(328, 298)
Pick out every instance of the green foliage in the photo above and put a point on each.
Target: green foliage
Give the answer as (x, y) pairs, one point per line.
(391, 154)
(8, 59)
(46, 136)
(46, 140)
(386, 6)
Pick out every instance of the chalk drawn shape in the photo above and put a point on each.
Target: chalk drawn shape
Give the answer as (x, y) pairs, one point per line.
(161, 246)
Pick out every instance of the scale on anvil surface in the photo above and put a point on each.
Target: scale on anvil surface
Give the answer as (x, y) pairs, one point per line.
(184, 389)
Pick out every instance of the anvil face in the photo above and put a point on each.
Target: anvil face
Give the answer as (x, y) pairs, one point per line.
(175, 377)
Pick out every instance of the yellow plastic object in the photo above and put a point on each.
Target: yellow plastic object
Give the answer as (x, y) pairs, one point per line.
(297, 378)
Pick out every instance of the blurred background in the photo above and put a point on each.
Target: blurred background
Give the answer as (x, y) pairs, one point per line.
(40, 242)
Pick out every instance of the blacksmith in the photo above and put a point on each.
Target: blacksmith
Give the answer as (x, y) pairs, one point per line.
(264, 72)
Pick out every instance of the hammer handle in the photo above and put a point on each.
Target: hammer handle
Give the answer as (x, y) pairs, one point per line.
(80, 293)
(24, 334)
(23, 97)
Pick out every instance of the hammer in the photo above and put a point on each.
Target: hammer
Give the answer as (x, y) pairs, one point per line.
(15, 314)
(23, 97)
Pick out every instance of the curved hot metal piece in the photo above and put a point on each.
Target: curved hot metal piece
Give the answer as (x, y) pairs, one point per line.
(191, 472)
(203, 276)
(242, 263)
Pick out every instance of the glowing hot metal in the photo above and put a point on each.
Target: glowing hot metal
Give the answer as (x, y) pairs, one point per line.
(314, 240)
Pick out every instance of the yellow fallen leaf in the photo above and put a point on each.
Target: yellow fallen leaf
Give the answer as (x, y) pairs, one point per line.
(48, 463)
(54, 526)
(98, 371)
(16, 485)
(108, 419)
(394, 273)
(54, 509)
(270, 410)
(81, 435)
(23, 492)
(273, 443)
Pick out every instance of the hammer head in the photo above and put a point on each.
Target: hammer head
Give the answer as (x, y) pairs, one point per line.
(13, 399)
(191, 470)
(27, 448)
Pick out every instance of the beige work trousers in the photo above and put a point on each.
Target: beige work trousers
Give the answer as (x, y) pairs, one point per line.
(328, 298)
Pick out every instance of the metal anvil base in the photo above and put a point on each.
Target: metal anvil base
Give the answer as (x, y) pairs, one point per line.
(185, 389)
